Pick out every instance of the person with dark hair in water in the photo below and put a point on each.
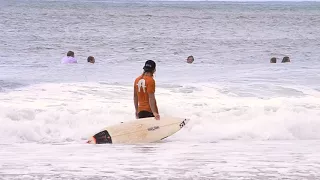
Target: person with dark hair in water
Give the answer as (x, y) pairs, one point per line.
(91, 59)
(144, 88)
(273, 60)
(190, 59)
(285, 59)
(69, 58)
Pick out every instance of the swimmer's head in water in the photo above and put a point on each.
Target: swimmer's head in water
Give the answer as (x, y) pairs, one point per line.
(190, 59)
(273, 60)
(285, 59)
(70, 53)
(91, 59)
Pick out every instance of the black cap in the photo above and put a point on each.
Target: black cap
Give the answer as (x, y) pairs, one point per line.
(149, 65)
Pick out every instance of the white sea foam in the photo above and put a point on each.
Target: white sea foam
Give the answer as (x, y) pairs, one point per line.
(225, 160)
(71, 111)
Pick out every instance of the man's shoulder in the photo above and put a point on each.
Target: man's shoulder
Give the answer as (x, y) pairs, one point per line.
(150, 79)
(138, 78)
(146, 78)
(64, 59)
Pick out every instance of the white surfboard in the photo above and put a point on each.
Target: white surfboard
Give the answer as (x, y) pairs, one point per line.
(143, 130)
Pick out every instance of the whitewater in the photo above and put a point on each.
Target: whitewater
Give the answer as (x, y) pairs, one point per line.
(249, 119)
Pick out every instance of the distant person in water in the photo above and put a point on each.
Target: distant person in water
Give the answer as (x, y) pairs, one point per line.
(91, 59)
(273, 60)
(144, 88)
(69, 58)
(190, 59)
(285, 59)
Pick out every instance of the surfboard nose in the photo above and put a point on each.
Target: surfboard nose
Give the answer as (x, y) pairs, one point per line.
(186, 120)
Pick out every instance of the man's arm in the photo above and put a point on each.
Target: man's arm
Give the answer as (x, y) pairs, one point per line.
(153, 105)
(151, 88)
(135, 100)
(156, 106)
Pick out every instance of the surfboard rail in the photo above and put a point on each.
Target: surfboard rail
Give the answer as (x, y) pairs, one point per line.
(145, 130)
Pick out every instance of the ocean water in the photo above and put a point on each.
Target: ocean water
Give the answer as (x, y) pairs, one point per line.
(249, 119)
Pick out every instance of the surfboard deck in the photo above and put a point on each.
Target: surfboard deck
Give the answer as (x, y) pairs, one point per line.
(145, 130)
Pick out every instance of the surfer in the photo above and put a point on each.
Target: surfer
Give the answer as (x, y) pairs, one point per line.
(285, 59)
(69, 58)
(144, 88)
(91, 59)
(273, 60)
(190, 59)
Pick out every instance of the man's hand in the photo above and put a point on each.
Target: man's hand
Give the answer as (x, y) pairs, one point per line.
(157, 116)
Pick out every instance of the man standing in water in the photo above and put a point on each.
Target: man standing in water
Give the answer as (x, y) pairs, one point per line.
(144, 88)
